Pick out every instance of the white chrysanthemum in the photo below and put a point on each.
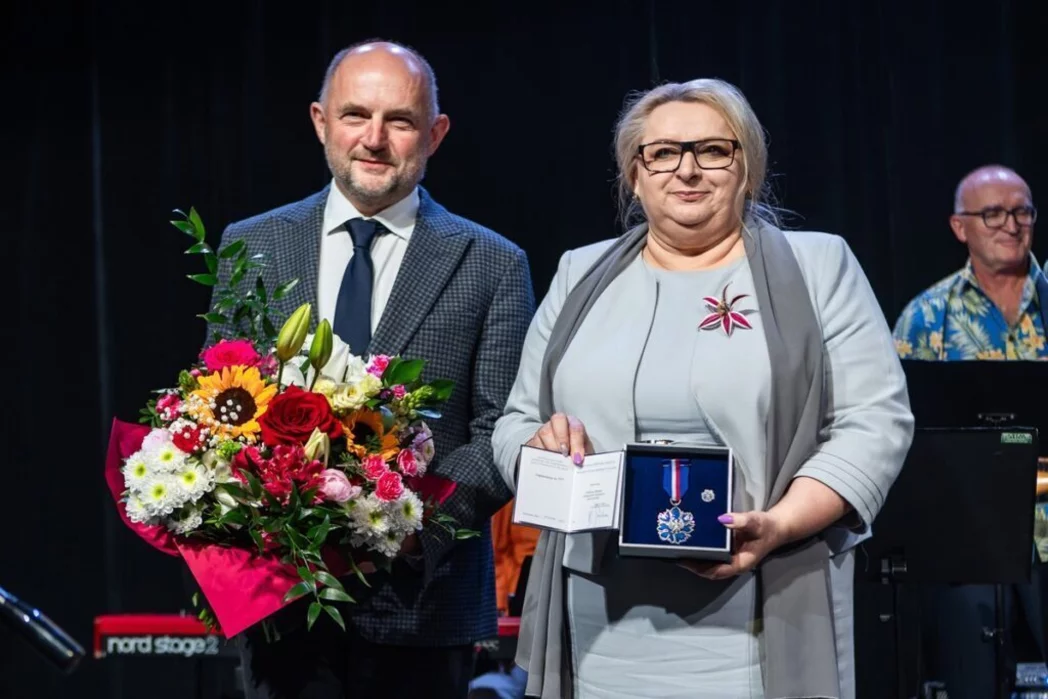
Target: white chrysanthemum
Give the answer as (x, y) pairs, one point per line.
(406, 512)
(165, 458)
(187, 520)
(136, 471)
(137, 511)
(194, 480)
(388, 544)
(161, 495)
(370, 516)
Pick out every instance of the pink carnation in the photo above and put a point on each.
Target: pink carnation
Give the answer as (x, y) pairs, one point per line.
(229, 353)
(268, 365)
(407, 462)
(377, 365)
(169, 406)
(389, 487)
(399, 391)
(374, 467)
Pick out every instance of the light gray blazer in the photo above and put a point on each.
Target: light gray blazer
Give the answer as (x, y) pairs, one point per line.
(867, 426)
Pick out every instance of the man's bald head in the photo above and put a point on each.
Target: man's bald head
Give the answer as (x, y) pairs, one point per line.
(982, 177)
(380, 51)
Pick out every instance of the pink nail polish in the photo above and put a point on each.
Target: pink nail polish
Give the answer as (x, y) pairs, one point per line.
(725, 519)
(577, 459)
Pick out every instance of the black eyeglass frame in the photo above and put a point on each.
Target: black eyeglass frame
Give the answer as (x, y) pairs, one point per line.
(689, 147)
(998, 210)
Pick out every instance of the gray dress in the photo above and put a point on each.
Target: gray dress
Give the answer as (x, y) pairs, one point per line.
(648, 628)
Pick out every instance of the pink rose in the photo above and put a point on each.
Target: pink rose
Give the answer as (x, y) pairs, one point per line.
(377, 365)
(407, 462)
(389, 487)
(374, 467)
(230, 353)
(168, 406)
(399, 391)
(335, 486)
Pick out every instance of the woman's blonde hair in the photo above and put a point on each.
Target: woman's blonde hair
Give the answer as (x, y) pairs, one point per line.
(732, 105)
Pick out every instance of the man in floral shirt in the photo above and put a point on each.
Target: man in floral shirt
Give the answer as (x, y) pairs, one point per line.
(990, 309)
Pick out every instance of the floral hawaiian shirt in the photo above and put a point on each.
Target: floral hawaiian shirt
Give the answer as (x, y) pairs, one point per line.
(955, 320)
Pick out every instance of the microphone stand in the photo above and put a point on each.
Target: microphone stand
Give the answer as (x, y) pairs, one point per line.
(40, 632)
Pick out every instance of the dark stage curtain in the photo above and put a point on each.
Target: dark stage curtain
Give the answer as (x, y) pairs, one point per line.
(117, 112)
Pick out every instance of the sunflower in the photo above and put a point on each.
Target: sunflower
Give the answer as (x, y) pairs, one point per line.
(229, 402)
(366, 434)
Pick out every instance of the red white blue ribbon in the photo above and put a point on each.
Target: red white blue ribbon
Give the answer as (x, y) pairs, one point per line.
(675, 478)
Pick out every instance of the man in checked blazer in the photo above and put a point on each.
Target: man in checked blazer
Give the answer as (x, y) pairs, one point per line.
(442, 288)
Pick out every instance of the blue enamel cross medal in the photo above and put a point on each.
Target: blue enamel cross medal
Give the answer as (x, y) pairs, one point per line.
(675, 526)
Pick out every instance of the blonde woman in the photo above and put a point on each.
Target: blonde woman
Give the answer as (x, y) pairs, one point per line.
(793, 367)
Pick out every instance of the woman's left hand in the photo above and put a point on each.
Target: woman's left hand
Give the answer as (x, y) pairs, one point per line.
(756, 535)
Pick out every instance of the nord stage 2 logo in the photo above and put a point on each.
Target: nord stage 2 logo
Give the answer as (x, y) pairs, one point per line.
(149, 644)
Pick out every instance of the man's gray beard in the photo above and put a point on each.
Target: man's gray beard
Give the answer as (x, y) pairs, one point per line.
(372, 198)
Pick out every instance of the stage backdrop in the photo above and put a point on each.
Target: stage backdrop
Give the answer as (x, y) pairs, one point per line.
(116, 112)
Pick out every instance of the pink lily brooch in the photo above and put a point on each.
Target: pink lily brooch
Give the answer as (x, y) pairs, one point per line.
(723, 313)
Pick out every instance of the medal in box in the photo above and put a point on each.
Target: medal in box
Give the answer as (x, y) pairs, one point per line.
(672, 495)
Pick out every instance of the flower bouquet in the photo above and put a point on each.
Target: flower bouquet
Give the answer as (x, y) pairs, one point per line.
(279, 459)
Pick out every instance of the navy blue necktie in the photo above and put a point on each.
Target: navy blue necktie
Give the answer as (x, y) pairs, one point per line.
(353, 310)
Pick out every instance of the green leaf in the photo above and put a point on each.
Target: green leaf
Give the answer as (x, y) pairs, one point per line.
(318, 533)
(254, 485)
(335, 595)
(184, 225)
(326, 578)
(198, 248)
(358, 572)
(232, 250)
(198, 224)
(236, 516)
(307, 575)
(404, 372)
(282, 290)
(314, 611)
(258, 540)
(311, 557)
(334, 614)
(260, 290)
(466, 534)
(268, 327)
(296, 538)
(227, 303)
(212, 263)
(442, 389)
(303, 588)
(205, 279)
(213, 318)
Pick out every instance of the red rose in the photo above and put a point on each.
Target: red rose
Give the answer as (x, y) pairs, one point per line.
(389, 487)
(294, 414)
(229, 353)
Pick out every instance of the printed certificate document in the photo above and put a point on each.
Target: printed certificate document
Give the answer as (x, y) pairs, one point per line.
(553, 493)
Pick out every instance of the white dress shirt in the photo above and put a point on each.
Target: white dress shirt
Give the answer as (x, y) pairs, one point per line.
(387, 250)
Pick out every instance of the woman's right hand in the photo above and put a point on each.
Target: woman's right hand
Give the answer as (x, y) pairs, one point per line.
(563, 433)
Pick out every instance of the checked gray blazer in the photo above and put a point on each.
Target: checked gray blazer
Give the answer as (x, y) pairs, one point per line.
(462, 300)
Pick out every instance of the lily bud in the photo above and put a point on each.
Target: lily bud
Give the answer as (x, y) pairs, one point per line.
(318, 446)
(323, 343)
(293, 335)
